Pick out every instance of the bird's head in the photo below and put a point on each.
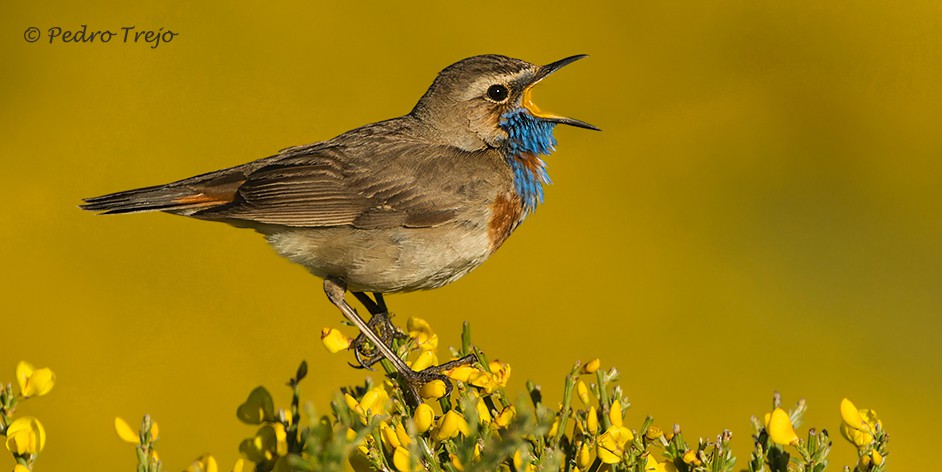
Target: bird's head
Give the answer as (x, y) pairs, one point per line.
(484, 101)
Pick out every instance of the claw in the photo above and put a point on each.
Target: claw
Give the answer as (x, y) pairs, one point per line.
(384, 328)
(365, 360)
(415, 380)
(360, 362)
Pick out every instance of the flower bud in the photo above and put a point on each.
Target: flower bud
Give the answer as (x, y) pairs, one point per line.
(433, 390)
(423, 418)
(592, 366)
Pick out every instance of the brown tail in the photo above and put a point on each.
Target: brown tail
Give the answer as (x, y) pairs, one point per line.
(156, 198)
(183, 197)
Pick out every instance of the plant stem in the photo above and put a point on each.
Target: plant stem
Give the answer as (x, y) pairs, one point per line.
(567, 402)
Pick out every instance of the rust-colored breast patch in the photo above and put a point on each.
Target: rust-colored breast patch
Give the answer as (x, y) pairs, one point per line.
(529, 160)
(506, 214)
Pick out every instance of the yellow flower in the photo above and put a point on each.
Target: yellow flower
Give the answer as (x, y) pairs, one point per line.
(402, 460)
(456, 462)
(128, 434)
(403, 435)
(204, 463)
(518, 462)
(433, 390)
(426, 359)
(859, 425)
(125, 432)
(239, 465)
(281, 439)
(487, 381)
(500, 374)
(855, 436)
(462, 373)
(351, 436)
(690, 458)
(26, 435)
(876, 457)
(851, 415)
(450, 425)
(584, 457)
(34, 381)
(614, 414)
(20, 468)
(592, 421)
(554, 428)
(651, 464)
(484, 415)
(423, 418)
(653, 432)
(373, 401)
(334, 340)
(583, 392)
(505, 416)
(780, 429)
(351, 402)
(611, 444)
(592, 366)
(390, 439)
(421, 332)
(462, 424)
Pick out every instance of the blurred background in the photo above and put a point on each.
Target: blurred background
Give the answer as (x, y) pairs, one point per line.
(760, 213)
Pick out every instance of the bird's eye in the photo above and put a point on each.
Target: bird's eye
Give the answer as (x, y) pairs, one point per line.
(497, 92)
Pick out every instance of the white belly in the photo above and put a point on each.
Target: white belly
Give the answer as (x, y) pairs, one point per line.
(386, 260)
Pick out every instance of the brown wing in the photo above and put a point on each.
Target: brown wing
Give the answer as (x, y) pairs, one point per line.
(385, 187)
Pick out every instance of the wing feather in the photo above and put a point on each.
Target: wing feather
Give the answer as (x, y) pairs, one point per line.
(323, 187)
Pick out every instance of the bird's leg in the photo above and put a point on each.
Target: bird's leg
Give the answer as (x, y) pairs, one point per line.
(335, 290)
(371, 306)
(409, 379)
(380, 300)
(381, 304)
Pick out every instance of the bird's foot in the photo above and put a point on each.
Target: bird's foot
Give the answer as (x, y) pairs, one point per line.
(365, 352)
(412, 381)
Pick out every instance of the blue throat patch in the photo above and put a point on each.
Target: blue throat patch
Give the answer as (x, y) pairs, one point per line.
(528, 138)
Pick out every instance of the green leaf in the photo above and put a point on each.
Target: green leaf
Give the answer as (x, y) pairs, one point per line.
(258, 407)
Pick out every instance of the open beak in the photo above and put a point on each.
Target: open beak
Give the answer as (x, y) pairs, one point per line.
(541, 74)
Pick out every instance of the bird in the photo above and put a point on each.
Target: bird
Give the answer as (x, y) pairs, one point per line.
(410, 203)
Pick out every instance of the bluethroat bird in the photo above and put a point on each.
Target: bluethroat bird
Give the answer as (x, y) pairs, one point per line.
(410, 203)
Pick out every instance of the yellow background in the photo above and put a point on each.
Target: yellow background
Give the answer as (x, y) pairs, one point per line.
(761, 211)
